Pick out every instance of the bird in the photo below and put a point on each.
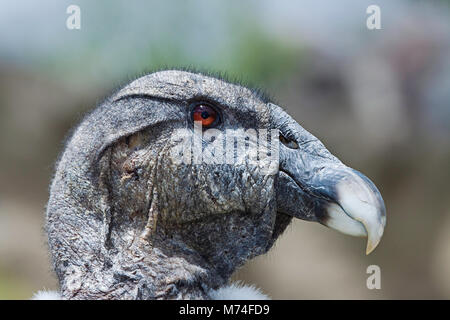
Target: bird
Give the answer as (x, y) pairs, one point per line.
(180, 177)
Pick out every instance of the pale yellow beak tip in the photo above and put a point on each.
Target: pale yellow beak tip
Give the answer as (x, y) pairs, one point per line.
(371, 246)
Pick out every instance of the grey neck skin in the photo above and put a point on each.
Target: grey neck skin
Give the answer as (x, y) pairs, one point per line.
(162, 270)
(120, 248)
(164, 266)
(124, 221)
(125, 227)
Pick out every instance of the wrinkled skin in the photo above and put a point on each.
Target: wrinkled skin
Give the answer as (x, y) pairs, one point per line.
(127, 220)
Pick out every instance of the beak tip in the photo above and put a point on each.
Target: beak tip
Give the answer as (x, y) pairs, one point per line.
(360, 209)
(370, 248)
(373, 241)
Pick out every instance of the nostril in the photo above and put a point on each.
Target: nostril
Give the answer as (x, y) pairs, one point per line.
(292, 144)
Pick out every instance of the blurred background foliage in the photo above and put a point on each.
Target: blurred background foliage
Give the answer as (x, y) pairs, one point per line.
(379, 100)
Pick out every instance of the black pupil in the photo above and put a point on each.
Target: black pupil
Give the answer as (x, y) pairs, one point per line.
(205, 114)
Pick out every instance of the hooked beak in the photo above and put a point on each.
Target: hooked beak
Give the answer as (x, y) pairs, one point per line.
(314, 185)
(357, 207)
(338, 197)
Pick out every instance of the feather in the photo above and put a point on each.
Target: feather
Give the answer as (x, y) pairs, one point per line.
(234, 291)
(238, 291)
(46, 295)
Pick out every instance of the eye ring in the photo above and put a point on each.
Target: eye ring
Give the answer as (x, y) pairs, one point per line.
(205, 113)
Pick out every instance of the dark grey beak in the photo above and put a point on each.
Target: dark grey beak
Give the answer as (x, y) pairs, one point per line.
(314, 185)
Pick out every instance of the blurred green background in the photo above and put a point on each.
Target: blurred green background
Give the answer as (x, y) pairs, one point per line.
(378, 99)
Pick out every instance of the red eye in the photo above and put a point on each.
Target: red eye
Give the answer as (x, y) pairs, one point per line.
(205, 114)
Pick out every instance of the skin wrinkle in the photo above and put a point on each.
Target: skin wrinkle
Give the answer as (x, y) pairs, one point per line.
(149, 227)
